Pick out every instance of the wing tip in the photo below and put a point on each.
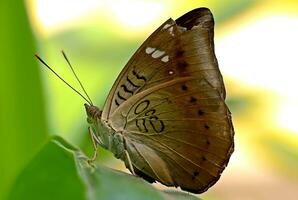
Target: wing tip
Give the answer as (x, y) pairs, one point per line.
(197, 17)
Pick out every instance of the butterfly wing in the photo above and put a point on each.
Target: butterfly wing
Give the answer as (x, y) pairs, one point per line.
(179, 47)
(180, 137)
(169, 104)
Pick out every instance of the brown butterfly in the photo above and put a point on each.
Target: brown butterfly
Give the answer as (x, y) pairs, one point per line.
(165, 115)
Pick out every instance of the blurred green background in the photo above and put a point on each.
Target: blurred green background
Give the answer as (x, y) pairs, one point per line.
(256, 45)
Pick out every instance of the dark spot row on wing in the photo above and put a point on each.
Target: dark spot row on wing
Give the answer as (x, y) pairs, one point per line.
(182, 65)
(184, 87)
(206, 126)
(193, 100)
(194, 175)
(179, 53)
(200, 112)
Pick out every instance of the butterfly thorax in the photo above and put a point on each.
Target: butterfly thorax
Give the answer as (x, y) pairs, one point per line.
(104, 134)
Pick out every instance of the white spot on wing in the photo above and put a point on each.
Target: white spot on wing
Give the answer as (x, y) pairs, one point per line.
(166, 26)
(171, 31)
(157, 54)
(165, 59)
(149, 50)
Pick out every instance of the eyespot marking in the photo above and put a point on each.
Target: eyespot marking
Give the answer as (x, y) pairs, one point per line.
(142, 106)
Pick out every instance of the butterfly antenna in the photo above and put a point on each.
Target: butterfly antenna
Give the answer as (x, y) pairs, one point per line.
(45, 64)
(72, 69)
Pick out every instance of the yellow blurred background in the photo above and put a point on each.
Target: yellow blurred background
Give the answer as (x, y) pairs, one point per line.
(256, 43)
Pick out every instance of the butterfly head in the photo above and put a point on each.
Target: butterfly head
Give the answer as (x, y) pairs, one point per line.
(93, 113)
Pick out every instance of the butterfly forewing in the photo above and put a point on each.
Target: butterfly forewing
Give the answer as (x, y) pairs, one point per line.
(137, 71)
(171, 51)
(168, 102)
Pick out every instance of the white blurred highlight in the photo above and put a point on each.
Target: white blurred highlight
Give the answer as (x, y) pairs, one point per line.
(135, 13)
(130, 13)
(287, 115)
(54, 12)
(265, 54)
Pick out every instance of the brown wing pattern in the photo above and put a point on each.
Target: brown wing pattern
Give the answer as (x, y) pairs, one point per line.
(169, 104)
(177, 48)
(181, 129)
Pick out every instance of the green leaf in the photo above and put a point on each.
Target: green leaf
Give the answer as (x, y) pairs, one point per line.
(22, 117)
(61, 171)
(173, 195)
(52, 174)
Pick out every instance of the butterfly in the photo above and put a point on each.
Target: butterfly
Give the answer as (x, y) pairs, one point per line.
(165, 115)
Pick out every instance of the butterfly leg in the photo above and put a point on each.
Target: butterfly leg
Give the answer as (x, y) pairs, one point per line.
(95, 146)
(129, 163)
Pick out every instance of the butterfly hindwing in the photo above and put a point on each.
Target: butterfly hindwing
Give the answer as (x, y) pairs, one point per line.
(189, 130)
